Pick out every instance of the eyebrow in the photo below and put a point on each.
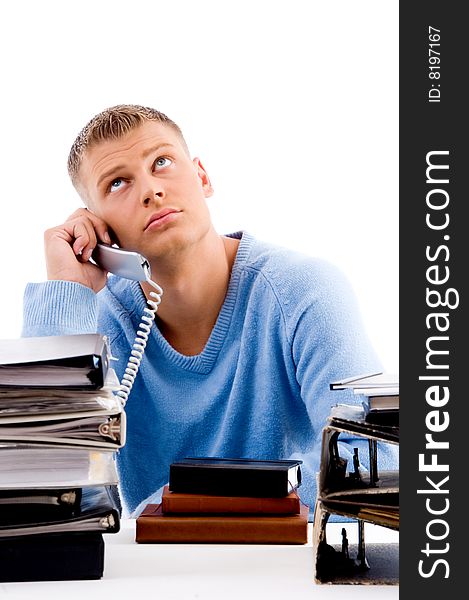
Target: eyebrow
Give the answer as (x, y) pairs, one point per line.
(144, 154)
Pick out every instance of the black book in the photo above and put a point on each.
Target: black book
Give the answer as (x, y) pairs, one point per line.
(52, 557)
(76, 361)
(235, 476)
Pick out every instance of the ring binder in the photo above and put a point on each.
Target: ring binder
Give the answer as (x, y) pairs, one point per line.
(98, 513)
(102, 429)
(68, 417)
(53, 466)
(66, 497)
(79, 361)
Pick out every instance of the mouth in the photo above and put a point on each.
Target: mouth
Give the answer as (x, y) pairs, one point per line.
(161, 218)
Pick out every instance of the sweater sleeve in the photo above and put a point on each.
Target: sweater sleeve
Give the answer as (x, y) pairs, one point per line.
(329, 342)
(58, 308)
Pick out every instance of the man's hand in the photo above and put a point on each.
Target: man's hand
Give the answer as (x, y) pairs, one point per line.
(68, 248)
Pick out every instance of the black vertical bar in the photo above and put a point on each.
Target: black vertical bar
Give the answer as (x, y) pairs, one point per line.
(433, 297)
(373, 451)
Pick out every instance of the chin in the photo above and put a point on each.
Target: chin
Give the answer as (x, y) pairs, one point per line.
(167, 245)
(174, 240)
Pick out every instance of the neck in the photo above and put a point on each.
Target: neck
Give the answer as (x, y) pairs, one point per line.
(194, 291)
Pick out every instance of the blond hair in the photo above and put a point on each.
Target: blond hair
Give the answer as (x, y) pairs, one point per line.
(111, 124)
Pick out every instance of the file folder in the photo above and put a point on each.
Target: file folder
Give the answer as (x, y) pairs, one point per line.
(101, 428)
(70, 361)
(38, 466)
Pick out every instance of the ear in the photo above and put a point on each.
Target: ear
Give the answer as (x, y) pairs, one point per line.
(203, 176)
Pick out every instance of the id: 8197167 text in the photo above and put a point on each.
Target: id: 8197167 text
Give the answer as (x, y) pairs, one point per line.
(434, 73)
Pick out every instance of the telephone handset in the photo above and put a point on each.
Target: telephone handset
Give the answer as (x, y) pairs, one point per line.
(134, 266)
(124, 263)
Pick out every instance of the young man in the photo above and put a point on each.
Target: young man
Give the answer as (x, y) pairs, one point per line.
(247, 337)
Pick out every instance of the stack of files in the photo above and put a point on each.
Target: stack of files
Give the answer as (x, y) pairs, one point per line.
(360, 495)
(61, 425)
(237, 501)
(355, 494)
(379, 393)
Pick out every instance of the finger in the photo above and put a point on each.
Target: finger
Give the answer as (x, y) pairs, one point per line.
(92, 240)
(83, 234)
(100, 226)
(102, 231)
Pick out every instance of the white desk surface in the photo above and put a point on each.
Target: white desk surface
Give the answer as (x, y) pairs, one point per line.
(208, 571)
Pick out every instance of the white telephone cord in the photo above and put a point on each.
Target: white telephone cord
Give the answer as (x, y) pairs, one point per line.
(140, 341)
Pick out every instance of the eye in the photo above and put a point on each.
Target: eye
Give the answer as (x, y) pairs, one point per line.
(116, 184)
(162, 162)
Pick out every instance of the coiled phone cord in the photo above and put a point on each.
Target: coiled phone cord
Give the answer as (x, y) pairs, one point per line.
(140, 342)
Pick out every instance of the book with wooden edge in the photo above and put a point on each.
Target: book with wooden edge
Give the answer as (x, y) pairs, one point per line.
(235, 476)
(52, 557)
(175, 502)
(153, 526)
(72, 361)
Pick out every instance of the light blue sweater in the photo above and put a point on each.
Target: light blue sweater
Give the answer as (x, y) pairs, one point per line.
(289, 326)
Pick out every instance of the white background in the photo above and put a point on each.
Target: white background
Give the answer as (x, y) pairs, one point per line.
(292, 107)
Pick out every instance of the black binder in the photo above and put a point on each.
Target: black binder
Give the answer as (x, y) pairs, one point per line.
(52, 557)
(20, 506)
(98, 512)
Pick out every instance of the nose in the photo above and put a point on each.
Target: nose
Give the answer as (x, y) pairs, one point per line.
(151, 190)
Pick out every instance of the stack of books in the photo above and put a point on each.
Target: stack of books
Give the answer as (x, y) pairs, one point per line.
(379, 393)
(237, 501)
(61, 425)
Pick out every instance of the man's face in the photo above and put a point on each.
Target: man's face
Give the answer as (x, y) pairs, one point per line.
(148, 190)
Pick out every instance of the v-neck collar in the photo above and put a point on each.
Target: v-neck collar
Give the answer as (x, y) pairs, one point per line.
(203, 362)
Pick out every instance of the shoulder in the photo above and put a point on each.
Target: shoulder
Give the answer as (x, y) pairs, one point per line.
(296, 276)
(309, 292)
